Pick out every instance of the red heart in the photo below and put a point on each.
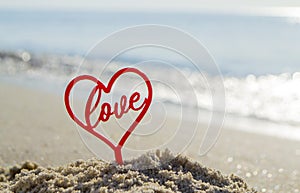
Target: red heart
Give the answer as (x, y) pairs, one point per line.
(106, 110)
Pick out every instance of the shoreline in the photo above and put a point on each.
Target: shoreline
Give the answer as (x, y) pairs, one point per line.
(268, 128)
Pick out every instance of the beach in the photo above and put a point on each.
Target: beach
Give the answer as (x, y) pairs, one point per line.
(36, 127)
(203, 77)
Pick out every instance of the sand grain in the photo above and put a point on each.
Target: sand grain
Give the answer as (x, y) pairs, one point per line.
(178, 174)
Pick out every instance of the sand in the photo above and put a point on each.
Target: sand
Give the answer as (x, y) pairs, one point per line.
(177, 175)
(34, 126)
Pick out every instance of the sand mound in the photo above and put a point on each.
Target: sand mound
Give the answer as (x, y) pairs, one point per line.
(170, 174)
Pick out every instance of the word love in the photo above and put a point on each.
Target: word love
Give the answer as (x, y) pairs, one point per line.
(107, 110)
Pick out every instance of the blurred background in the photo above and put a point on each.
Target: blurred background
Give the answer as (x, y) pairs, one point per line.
(255, 43)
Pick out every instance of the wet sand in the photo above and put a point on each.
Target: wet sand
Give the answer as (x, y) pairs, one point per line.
(34, 126)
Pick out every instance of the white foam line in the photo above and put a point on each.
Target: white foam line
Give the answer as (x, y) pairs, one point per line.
(263, 128)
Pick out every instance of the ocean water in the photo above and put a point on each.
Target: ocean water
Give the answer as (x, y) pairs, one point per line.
(258, 57)
(241, 45)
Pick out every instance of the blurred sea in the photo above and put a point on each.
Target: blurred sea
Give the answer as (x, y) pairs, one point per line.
(259, 58)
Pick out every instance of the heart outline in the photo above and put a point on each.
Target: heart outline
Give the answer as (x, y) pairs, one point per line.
(107, 89)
